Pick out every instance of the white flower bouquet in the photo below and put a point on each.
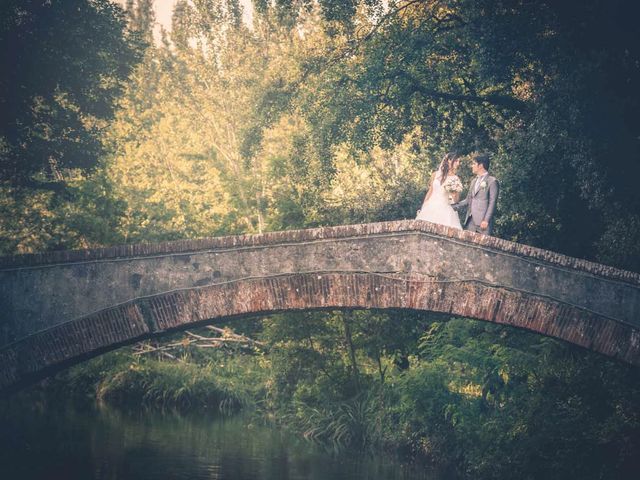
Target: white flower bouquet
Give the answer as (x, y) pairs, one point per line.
(453, 184)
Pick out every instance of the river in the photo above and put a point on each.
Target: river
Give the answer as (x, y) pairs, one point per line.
(102, 443)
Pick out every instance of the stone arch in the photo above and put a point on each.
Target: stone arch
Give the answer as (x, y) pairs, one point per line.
(48, 351)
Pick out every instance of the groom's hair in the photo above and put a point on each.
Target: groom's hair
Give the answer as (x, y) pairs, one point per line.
(482, 160)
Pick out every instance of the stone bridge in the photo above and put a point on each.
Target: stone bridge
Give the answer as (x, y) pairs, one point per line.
(60, 308)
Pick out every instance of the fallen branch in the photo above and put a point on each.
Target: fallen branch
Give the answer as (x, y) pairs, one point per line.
(227, 337)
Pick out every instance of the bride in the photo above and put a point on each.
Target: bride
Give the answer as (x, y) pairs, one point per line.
(444, 189)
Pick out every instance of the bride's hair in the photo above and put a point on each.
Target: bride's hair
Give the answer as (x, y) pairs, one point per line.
(445, 165)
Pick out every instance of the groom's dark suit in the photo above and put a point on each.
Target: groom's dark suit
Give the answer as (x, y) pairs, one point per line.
(481, 202)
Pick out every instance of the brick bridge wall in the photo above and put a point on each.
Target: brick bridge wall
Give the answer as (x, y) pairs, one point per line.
(59, 308)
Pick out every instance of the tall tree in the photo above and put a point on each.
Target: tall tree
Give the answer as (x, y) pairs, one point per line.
(63, 64)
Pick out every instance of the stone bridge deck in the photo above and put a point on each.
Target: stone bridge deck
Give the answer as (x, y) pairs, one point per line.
(60, 308)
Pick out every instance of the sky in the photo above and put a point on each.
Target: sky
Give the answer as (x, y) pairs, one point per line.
(164, 8)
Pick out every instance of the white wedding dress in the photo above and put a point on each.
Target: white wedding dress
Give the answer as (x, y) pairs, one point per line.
(437, 208)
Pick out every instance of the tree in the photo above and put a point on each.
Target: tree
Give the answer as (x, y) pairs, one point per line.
(64, 64)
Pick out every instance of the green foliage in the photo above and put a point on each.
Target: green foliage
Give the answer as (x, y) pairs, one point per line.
(347, 424)
(168, 385)
(63, 64)
(213, 381)
(516, 404)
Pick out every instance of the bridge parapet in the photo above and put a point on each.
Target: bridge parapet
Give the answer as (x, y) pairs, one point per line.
(314, 234)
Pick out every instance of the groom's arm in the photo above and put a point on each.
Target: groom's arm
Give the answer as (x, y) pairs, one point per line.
(462, 203)
(494, 189)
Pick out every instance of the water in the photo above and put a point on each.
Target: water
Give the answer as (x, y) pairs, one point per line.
(108, 444)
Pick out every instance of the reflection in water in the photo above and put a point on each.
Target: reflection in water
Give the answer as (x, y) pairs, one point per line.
(108, 444)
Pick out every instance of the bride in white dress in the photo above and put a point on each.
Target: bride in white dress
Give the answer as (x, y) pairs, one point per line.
(444, 189)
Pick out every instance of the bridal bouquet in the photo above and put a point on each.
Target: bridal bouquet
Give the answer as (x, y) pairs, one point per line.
(452, 184)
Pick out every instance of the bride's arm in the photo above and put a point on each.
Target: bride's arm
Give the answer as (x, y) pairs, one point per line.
(457, 204)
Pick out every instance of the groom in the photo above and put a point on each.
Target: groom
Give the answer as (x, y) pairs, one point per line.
(481, 199)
